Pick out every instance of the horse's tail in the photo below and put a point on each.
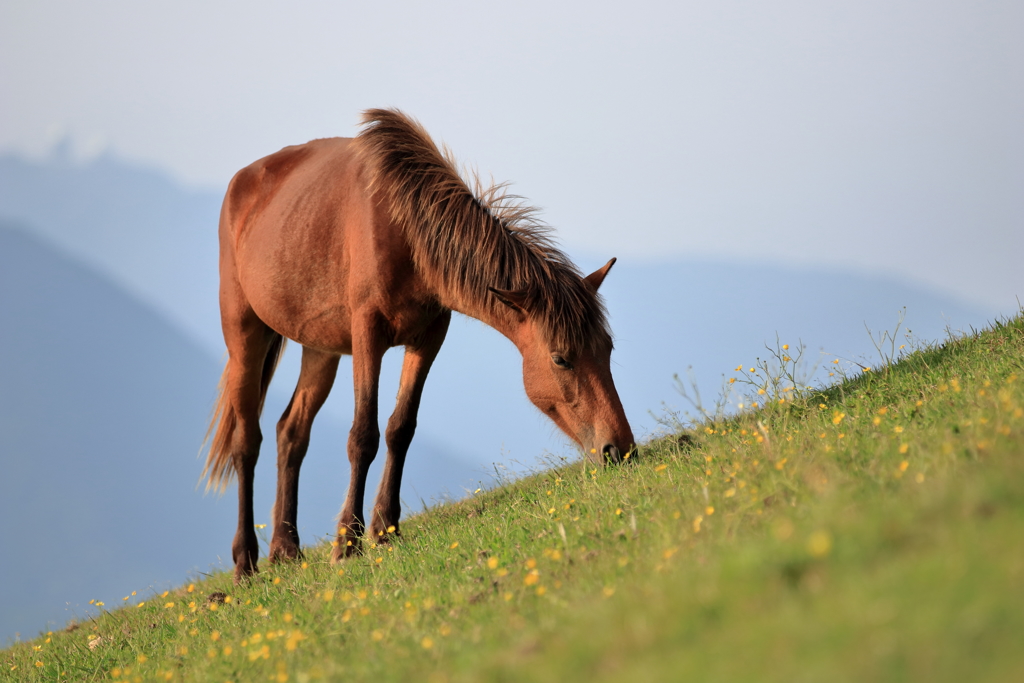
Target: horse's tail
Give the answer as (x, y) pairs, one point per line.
(220, 467)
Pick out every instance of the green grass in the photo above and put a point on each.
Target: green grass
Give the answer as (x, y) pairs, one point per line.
(868, 531)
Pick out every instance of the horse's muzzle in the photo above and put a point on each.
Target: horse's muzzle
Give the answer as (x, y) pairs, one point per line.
(612, 455)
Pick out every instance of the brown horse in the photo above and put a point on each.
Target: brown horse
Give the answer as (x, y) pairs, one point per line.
(352, 246)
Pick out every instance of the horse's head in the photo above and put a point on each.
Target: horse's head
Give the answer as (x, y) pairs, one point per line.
(572, 386)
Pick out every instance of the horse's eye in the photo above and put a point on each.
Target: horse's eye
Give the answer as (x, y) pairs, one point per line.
(561, 362)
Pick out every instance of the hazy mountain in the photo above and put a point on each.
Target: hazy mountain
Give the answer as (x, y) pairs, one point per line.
(103, 406)
(715, 316)
(145, 232)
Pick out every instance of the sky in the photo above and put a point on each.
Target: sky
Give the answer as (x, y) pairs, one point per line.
(882, 137)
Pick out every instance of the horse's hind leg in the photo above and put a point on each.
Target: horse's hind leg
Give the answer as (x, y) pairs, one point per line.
(402, 426)
(253, 349)
(315, 381)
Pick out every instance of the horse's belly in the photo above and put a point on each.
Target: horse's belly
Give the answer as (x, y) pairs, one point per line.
(310, 312)
(297, 292)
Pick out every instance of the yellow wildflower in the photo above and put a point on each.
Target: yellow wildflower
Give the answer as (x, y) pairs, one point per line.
(293, 640)
(819, 544)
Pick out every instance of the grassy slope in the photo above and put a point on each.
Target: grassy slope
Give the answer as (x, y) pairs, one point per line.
(870, 532)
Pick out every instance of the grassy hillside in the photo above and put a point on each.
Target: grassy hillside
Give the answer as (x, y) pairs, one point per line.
(869, 531)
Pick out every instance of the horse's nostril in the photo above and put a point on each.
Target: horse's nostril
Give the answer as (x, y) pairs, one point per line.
(611, 454)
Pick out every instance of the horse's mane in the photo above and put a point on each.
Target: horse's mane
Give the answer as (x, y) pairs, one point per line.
(467, 242)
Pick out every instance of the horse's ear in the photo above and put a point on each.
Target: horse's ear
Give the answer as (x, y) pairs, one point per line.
(516, 300)
(595, 279)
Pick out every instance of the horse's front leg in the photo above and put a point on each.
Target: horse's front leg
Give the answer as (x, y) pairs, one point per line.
(315, 381)
(416, 365)
(369, 342)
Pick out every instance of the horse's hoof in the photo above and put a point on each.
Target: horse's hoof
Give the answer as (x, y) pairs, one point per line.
(340, 553)
(283, 551)
(384, 535)
(244, 573)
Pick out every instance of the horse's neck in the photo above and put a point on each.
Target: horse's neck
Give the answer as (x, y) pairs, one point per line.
(505, 323)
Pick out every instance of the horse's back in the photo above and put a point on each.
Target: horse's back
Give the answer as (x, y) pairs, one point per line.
(256, 188)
